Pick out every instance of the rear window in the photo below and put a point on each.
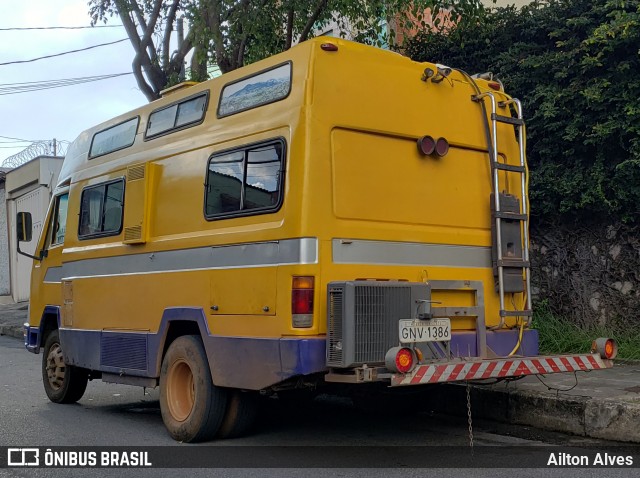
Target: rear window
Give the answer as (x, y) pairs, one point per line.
(257, 90)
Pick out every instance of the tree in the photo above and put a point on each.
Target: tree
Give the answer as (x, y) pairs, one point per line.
(232, 33)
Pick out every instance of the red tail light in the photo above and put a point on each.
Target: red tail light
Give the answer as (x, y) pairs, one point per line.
(329, 47)
(426, 145)
(442, 147)
(302, 291)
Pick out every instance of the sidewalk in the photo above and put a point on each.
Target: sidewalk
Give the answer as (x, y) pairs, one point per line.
(601, 404)
(12, 316)
(598, 404)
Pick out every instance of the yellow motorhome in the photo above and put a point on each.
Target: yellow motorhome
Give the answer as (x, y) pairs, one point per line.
(333, 214)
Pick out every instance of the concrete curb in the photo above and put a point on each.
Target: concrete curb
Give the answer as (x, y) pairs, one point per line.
(578, 415)
(12, 331)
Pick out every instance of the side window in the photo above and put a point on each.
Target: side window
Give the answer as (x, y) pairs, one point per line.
(188, 112)
(101, 210)
(59, 221)
(245, 181)
(114, 138)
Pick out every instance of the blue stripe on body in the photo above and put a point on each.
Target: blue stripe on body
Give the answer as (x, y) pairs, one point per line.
(238, 362)
(33, 335)
(502, 342)
(250, 363)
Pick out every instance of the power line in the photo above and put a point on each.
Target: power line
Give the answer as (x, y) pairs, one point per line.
(58, 28)
(63, 53)
(16, 88)
(19, 139)
(41, 82)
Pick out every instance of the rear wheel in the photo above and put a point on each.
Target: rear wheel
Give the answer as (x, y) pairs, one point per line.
(192, 406)
(63, 383)
(242, 409)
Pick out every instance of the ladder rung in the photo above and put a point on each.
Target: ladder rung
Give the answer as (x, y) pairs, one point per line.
(514, 216)
(507, 119)
(509, 167)
(515, 313)
(513, 263)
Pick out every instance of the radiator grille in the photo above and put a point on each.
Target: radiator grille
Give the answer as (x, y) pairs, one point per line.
(362, 318)
(336, 296)
(124, 350)
(377, 310)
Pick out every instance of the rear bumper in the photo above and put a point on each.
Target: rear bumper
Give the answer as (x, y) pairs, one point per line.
(468, 370)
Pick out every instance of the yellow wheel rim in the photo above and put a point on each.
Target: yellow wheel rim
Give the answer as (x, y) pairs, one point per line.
(181, 390)
(55, 367)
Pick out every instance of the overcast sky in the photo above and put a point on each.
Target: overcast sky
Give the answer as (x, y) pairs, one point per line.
(60, 113)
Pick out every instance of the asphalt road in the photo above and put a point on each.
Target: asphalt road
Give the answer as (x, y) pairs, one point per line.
(119, 415)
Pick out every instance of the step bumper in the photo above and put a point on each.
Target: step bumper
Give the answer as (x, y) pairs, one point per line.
(473, 370)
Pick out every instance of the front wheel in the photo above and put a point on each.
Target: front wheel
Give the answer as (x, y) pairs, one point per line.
(192, 406)
(63, 383)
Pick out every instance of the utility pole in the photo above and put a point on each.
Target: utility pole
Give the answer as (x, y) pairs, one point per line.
(54, 147)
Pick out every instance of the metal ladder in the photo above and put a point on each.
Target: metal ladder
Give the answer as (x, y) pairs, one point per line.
(521, 263)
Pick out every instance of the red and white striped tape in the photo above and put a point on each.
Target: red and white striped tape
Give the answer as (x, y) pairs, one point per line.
(498, 368)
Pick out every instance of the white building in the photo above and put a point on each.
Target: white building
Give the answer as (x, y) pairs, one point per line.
(28, 188)
(5, 280)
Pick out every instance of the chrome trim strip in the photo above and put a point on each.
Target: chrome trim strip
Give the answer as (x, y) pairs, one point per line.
(255, 254)
(357, 251)
(54, 274)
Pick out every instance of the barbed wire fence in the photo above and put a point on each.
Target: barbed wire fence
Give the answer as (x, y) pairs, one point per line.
(40, 148)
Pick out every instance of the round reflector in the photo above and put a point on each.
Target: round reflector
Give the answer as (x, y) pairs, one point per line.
(426, 145)
(442, 147)
(607, 348)
(400, 359)
(404, 360)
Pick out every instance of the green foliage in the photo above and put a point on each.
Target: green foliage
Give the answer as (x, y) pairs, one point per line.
(250, 31)
(559, 335)
(576, 67)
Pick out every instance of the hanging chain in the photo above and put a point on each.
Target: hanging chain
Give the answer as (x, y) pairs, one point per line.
(469, 417)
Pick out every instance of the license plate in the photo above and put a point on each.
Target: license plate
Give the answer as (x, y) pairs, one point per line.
(433, 330)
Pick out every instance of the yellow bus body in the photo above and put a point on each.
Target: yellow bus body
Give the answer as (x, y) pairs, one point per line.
(359, 201)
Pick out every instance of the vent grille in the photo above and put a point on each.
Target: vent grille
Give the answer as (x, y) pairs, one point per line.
(135, 173)
(336, 296)
(132, 233)
(127, 350)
